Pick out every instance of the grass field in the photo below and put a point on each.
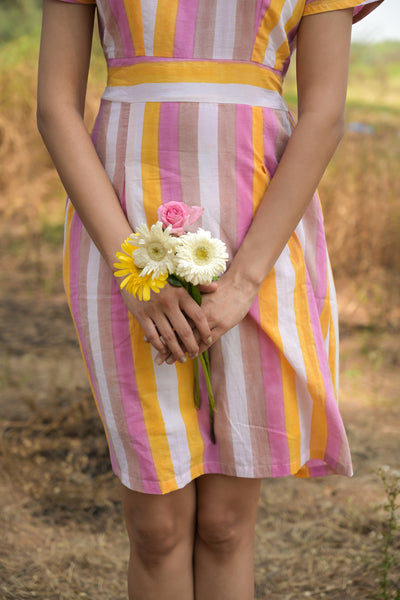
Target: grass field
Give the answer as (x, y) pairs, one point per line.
(62, 533)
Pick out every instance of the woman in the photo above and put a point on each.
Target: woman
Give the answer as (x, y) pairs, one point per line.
(193, 112)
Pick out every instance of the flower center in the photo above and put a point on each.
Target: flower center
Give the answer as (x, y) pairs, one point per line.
(201, 255)
(156, 251)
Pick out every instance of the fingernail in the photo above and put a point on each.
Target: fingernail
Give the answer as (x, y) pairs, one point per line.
(193, 355)
(182, 359)
(145, 339)
(170, 360)
(158, 360)
(209, 340)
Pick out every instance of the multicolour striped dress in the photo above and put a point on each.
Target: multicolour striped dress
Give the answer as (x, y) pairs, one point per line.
(193, 112)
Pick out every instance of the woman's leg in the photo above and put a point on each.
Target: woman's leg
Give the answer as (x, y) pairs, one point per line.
(224, 545)
(161, 534)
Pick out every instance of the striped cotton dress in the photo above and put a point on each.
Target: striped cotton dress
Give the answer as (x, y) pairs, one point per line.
(193, 112)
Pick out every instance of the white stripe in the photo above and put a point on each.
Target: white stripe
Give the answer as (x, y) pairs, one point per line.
(99, 371)
(335, 319)
(108, 41)
(227, 93)
(207, 152)
(285, 283)
(168, 400)
(149, 14)
(112, 137)
(133, 167)
(225, 29)
(278, 35)
(237, 400)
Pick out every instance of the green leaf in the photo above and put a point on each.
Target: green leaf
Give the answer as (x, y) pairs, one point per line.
(175, 280)
(195, 293)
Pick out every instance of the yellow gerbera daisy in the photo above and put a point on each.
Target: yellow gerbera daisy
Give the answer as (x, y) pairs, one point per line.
(135, 281)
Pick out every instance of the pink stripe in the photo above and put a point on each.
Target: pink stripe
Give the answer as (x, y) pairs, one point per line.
(271, 128)
(118, 10)
(129, 392)
(74, 251)
(244, 170)
(168, 152)
(185, 31)
(333, 419)
(262, 6)
(275, 407)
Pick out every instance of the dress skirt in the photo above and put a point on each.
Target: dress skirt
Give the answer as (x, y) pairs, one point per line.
(275, 374)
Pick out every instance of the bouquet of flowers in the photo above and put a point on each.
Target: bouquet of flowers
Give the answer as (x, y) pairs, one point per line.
(168, 253)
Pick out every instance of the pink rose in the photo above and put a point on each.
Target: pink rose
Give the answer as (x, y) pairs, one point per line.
(178, 215)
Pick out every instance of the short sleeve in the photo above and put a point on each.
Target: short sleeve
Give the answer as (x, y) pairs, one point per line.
(79, 1)
(360, 9)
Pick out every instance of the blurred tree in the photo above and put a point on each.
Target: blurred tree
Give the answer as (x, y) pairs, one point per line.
(18, 17)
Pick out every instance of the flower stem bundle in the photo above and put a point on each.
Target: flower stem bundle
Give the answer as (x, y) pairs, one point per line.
(168, 253)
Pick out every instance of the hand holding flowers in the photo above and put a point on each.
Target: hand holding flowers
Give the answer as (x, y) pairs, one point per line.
(166, 253)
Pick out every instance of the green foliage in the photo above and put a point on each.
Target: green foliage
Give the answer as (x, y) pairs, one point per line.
(18, 18)
(389, 589)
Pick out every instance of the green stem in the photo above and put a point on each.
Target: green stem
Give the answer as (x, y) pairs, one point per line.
(205, 363)
(196, 383)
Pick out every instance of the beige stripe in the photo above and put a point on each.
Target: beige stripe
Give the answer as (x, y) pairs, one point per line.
(101, 145)
(227, 174)
(189, 168)
(223, 426)
(244, 37)
(104, 308)
(111, 25)
(255, 393)
(119, 173)
(205, 27)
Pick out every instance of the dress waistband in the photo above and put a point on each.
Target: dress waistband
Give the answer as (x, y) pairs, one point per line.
(231, 82)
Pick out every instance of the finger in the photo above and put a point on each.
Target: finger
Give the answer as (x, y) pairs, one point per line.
(170, 339)
(197, 316)
(184, 331)
(207, 289)
(152, 336)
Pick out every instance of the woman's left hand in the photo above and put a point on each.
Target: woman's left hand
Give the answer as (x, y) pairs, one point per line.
(225, 305)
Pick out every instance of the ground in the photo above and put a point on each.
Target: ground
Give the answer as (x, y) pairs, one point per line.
(62, 532)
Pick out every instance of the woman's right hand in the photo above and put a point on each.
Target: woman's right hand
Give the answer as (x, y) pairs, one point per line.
(168, 320)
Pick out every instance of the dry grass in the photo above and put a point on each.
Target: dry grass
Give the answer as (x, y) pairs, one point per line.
(62, 532)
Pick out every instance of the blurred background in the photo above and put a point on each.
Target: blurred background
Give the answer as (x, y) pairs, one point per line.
(62, 534)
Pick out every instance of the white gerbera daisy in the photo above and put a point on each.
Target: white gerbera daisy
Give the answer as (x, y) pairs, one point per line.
(156, 250)
(200, 257)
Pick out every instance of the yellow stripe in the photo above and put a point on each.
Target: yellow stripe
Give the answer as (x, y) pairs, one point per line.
(268, 308)
(194, 72)
(271, 19)
(283, 51)
(188, 411)
(261, 177)
(133, 11)
(328, 6)
(153, 419)
(315, 383)
(151, 183)
(164, 31)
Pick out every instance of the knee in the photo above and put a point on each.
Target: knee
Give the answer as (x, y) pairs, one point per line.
(153, 541)
(222, 532)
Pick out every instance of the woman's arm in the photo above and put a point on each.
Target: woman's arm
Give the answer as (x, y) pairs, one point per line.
(323, 49)
(63, 70)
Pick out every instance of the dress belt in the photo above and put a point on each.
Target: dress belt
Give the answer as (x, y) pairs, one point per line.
(172, 80)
